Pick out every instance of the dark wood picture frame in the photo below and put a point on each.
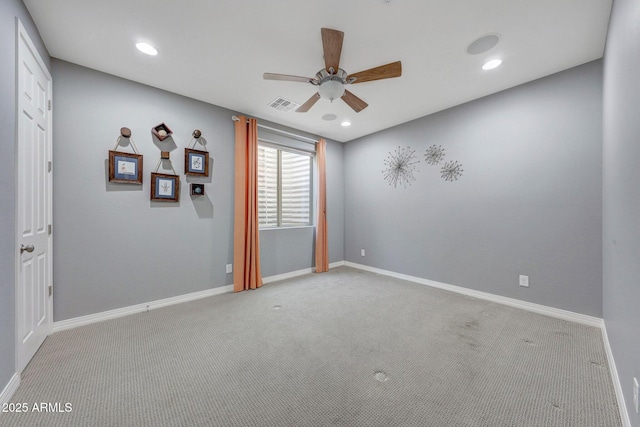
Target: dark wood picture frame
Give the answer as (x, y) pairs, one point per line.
(196, 162)
(197, 189)
(125, 168)
(165, 187)
(161, 127)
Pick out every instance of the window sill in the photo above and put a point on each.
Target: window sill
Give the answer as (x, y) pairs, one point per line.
(298, 227)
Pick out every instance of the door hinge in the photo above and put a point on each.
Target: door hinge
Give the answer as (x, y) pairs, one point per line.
(50, 290)
(49, 166)
(50, 229)
(49, 105)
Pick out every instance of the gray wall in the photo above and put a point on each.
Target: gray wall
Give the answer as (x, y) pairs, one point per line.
(10, 11)
(529, 201)
(621, 194)
(115, 248)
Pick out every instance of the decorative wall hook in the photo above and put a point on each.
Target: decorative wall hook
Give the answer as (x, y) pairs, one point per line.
(125, 133)
(165, 155)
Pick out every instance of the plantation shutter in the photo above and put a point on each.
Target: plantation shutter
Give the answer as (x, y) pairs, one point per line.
(267, 186)
(285, 180)
(295, 187)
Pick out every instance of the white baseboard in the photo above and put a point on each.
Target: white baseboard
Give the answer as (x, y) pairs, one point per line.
(11, 388)
(297, 273)
(138, 308)
(288, 275)
(512, 302)
(622, 406)
(141, 308)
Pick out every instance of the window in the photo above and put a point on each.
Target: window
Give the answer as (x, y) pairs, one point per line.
(284, 187)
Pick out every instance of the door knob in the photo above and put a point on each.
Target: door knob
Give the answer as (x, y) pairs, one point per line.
(28, 248)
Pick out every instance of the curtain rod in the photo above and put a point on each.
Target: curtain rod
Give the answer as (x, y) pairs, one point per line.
(299, 137)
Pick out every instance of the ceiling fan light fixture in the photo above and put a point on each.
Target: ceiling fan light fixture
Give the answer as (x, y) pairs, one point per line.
(331, 89)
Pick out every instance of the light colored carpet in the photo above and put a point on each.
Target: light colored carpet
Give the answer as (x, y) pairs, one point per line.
(345, 348)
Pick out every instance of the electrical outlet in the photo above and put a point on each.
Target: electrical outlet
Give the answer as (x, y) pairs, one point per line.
(524, 281)
(635, 394)
(229, 268)
(361, 252)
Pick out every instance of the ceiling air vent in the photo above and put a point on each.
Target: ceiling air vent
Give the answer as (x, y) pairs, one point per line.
(284, 105)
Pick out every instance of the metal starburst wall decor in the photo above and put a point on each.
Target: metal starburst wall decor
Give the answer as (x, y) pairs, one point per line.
(400, 166)
(451, 171)
(434, 155)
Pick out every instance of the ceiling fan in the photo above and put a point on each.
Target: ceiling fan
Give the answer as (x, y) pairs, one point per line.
(332, 79)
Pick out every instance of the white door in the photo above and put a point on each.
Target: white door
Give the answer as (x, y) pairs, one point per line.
(33, 270)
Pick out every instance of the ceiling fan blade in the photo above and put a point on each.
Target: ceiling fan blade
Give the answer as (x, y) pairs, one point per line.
(332, 45)
(387, 71)
(310, 103)
(286, 77)
(354, 102)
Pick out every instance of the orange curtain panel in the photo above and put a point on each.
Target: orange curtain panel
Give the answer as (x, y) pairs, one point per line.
(246, 243)
(322, 248)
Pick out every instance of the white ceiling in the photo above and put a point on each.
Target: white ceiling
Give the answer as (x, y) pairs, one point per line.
(217, 50)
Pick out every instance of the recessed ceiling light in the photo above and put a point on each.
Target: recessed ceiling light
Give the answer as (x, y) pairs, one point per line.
(329, 117)
(490, 65)
(346, 123)
(147, 48)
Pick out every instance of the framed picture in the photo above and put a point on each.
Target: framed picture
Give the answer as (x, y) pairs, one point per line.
(125, 167)
(196, 162)
(165, 188)
(197, 189)
(161, 131)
